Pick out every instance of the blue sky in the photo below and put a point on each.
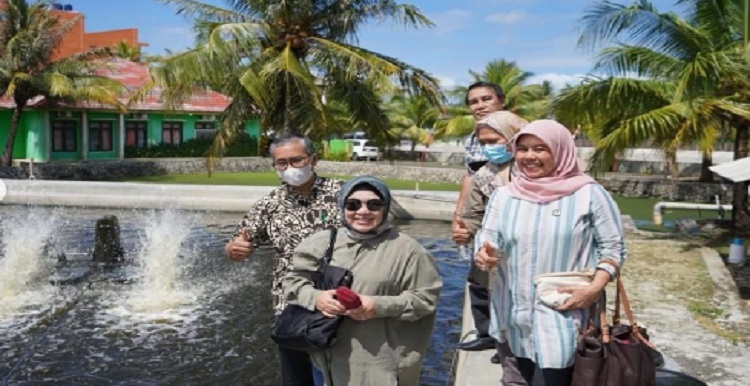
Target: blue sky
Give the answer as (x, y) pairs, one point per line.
(539, 35)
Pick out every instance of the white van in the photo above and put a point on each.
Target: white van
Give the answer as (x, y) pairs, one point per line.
(364, 149)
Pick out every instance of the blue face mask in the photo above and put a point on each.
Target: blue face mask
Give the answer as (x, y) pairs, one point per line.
(497, 154)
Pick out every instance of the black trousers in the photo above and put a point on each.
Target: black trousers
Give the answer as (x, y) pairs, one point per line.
(296, 368)
(479, 297)
(552, 377)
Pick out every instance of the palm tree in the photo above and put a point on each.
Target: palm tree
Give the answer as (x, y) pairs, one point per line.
(412, 116)
(29, 38)
(530, 101)
(127, 51)
(669, 81)
(292, 58)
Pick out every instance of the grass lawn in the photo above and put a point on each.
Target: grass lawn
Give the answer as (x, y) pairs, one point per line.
(638, 208)
(270, 179)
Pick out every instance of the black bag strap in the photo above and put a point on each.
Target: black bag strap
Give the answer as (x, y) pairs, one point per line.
(329, 252)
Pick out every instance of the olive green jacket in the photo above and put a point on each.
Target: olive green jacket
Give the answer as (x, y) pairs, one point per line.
(403, 279)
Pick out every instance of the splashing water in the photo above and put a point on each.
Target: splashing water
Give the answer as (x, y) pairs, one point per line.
(24, 261)
(163, 257)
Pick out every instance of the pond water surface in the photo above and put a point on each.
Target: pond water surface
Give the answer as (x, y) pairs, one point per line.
(191, 318)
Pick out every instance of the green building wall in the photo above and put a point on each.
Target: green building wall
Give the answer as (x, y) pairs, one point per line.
(31, 139)
(30, 122)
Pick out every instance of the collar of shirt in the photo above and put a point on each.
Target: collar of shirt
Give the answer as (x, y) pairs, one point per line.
(292, 194)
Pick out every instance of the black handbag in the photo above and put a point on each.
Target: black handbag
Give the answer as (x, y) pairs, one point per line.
(298, 328)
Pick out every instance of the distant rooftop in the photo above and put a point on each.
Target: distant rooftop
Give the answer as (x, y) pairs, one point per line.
(736, 171)
(135, 76)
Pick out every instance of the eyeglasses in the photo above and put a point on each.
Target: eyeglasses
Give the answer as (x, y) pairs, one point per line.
(296, 162)
(372, 205)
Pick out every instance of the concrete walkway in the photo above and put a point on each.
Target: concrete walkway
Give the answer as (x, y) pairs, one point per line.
(420, 205)
(473, 368)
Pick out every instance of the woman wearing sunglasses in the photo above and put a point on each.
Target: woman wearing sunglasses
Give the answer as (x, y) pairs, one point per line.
(390, 315)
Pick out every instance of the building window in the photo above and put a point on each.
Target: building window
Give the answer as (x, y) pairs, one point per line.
(205, 129)
(135, 134)
(100, 135)
(64, 136)
(171, 133)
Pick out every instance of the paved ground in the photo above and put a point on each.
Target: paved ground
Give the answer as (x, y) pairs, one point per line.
(683, 293)
(685, 296)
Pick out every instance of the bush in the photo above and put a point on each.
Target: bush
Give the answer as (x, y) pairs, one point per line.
(243, 146)
(339, 157)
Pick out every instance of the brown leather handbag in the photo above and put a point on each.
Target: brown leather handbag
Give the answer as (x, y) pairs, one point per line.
(617, 354)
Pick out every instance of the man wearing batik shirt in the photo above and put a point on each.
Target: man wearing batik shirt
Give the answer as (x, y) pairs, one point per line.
(304, 204)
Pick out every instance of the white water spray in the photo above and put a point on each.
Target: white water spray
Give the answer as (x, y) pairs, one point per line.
(162, 260)
(23, 261)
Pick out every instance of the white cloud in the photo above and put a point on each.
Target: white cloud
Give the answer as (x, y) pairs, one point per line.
(506, 18)
(446, 82)
(451, 20)
(558, 80)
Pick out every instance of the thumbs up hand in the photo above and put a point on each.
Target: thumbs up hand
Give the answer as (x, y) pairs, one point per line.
(459, 233)
(239, 248)
(486, 258)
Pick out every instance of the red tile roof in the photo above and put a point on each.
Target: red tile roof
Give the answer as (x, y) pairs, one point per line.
(134, 77)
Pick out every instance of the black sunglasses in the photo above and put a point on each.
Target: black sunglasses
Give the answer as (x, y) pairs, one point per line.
(372, 205)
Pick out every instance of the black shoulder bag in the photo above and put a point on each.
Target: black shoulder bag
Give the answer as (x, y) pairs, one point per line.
(298, 328)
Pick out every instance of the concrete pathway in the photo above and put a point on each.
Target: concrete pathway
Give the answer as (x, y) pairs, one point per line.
(473, 368)
(420, 205)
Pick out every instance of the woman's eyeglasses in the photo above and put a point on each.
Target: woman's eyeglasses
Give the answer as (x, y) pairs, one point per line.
(372, 205)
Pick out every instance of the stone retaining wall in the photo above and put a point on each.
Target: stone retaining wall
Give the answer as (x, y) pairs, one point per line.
(668, 190)
(632, 186)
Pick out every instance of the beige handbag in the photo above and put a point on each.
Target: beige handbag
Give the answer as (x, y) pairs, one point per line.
(548, 283)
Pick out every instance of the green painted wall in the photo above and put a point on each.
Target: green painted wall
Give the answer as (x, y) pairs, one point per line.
(252, 127)
(31, 139)
(36, 139)
(28, 120)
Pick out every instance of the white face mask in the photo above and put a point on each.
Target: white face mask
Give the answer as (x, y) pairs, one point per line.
(296, 176)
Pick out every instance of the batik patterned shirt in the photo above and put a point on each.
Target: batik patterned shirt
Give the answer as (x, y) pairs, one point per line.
(284, 217)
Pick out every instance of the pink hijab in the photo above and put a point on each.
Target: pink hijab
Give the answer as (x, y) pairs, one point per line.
(564, 180)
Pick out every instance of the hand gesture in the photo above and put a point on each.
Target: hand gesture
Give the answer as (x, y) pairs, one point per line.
(486, 257)
(239, 248)
(327, 304)
(364, 312)
(581, 297)
(459, 233)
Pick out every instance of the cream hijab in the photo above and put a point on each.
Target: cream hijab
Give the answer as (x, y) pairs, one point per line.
(506, 124)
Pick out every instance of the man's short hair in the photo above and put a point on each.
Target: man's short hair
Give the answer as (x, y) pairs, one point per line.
(497, 89)
(287, 138)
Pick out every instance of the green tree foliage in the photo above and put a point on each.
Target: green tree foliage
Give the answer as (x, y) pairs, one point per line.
(295, 63)
(666, 80)
(529, 101)
(412, 117)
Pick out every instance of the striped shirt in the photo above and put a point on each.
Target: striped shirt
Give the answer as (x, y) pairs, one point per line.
(569, 234)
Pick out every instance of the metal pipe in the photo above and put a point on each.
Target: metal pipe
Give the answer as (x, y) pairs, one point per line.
(661, 205)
